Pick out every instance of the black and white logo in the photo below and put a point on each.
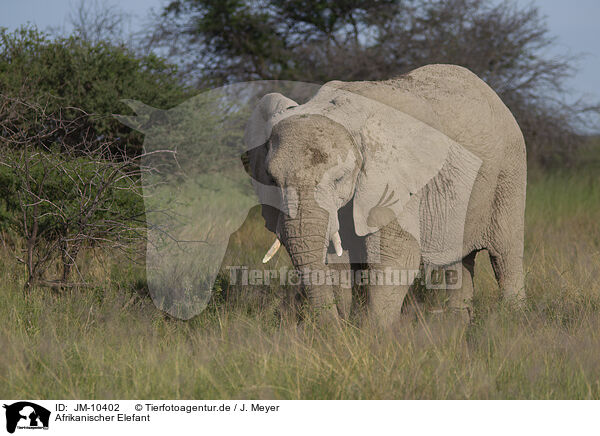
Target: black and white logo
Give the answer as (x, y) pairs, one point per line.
(26, 415)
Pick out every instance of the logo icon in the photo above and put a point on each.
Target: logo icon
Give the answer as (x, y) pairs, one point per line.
(26, 415)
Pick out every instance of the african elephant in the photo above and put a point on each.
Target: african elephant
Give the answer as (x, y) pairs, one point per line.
(429, 167)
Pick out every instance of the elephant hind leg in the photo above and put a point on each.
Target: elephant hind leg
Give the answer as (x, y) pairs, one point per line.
(507, 234)
(508, 268)
(456, 297)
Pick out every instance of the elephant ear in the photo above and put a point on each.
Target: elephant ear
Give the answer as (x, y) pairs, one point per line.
(256, 137)
(401, 156)
(258, 128)
(443, 207)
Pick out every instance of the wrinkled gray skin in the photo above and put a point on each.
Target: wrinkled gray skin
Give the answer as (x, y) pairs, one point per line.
(448, 132)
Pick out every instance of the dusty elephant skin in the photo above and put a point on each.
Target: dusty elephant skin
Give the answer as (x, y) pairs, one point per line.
(428, 167)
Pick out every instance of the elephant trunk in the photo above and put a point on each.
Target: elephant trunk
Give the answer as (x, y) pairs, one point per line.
(335, 239)
(306, 239)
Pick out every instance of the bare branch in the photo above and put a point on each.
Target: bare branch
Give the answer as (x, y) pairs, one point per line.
(69, 195)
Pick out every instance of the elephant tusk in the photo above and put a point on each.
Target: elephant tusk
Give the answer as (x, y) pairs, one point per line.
(337, 243)
(272, 251)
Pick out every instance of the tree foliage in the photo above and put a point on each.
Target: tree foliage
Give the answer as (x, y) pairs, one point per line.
(66, 73)
(319, 40)
(70, 172)
(59, 197)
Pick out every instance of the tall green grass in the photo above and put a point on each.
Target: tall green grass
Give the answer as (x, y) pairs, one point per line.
(110, 341)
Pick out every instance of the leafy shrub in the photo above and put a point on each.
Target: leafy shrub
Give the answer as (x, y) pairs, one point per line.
(66, 73)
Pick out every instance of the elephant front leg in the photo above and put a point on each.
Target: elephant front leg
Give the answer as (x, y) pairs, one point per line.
(339, 278)
(393, 257)
(329, 292)
(460, 298)
(342, 288)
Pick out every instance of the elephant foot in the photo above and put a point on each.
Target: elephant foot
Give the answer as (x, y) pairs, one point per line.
(516, 301)
(389, 322)
(458, 315)
(463, 315)
(326, 315)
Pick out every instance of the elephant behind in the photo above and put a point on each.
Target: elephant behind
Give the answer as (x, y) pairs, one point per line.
(429, 168)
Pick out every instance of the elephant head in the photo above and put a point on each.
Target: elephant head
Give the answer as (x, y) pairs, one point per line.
(340, 149)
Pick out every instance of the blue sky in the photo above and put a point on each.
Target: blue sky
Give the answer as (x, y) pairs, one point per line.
(575, 23)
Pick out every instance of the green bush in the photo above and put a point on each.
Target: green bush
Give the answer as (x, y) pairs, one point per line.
(66, 73)
(63, 181)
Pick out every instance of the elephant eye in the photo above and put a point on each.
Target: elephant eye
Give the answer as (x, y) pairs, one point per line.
(269, 175)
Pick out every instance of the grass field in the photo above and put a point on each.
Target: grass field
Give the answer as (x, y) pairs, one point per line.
(109, 341)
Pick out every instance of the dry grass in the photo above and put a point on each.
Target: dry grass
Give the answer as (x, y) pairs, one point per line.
(111, 342)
